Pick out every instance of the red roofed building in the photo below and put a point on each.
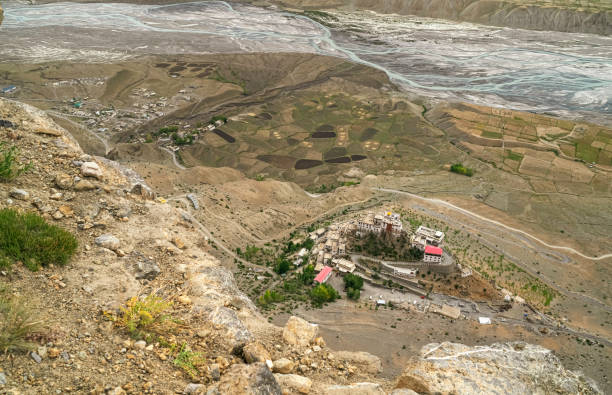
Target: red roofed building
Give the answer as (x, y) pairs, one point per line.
(432, 254)
(323, 275)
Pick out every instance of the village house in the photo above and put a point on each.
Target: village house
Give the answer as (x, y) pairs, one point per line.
(425, 236)
(344, 265)
(323, 275)
(387, 222)
(432, 254)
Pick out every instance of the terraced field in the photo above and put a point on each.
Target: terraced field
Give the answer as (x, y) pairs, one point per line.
(315, 137)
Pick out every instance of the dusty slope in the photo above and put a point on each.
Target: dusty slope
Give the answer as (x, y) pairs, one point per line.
(565, 16)
(578, 16)
(159, 249)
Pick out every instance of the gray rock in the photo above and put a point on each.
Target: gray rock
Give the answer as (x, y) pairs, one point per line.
(65, 356)
(215, 371)
(140, 345)
(108, 241)
(193, 388)
(237, 331)
(91, 169)
(194, 200)
(147, 269)
(247, 379)
(3, 379)
(35, 357)
(357, 388)
(123, 212)
(294, 383)
(19, 194)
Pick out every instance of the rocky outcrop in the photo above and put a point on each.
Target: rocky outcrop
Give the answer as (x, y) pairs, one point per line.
(509, 368)
(254, 379)
(299, 332)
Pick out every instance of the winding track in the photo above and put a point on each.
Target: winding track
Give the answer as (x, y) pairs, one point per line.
(173, 154)
(480, 217)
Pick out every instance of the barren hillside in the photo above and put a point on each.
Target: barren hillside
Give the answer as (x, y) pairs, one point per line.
(216, 342)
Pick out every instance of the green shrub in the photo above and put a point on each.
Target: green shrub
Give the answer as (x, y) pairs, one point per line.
(460, 169)
(353, 294)
(189, 361)
(307, 275)
(9, 169)
(353, 281)
(282, 266)
(323, 293)
(17, 322)
(141, 317)
(28, 238)
(270, 297)
(166, 131)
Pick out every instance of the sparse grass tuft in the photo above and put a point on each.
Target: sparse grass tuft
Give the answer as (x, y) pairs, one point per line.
(28, 238)
(17, 322)
(189, 361)
(141, 317)
(9, 169)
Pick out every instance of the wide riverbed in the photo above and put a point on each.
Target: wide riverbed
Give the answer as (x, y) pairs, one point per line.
(561, 73)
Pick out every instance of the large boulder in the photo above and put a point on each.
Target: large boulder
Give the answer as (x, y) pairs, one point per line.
(293, 383)
(508, 368)
(366, 362)
(300, 332)
(240, 379)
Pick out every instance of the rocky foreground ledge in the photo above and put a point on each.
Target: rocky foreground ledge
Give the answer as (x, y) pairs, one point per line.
(132, 244)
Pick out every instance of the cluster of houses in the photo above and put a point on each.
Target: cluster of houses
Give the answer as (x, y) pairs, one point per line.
(168, 142)
(379, 223)
(329, 249)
